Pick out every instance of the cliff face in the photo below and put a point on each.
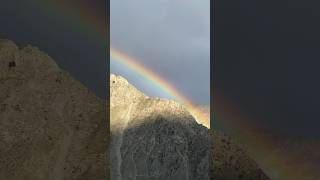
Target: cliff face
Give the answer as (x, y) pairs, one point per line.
(51, 126)
(154, 138)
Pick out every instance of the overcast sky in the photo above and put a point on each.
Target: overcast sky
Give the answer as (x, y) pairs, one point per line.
(172, 37)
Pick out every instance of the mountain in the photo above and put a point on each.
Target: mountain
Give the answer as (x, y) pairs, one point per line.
(51, 126)
(54, 128)
(231, 162)
(153, 138)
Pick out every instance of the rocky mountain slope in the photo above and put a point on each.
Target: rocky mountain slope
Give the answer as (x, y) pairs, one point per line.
(51, 126)
(154, 138)
(158, 139)
(54, 128)
(230, 162)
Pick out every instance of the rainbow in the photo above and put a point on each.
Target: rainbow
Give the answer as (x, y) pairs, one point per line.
(94, 21)
(159, 83)
(261, 147)
(86, 16)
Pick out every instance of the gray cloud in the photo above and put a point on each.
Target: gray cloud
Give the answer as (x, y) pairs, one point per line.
(170, 36)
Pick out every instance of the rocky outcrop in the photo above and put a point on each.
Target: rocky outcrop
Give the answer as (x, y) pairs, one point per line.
(154, 138)
(51, 126)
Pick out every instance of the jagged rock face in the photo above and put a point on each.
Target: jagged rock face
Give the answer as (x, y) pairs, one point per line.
(154, 139)
(158, 139)
(51, 126)
(230, 162)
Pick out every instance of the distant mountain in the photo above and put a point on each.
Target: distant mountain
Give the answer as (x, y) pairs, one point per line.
(156, 138)
(51, 126)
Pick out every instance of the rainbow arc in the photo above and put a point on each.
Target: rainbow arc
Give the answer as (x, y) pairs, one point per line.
(160, 83)
(85, 17)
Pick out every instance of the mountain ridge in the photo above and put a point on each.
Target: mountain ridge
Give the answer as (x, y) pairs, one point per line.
(52, 127)
(163, 127)
(226, 159)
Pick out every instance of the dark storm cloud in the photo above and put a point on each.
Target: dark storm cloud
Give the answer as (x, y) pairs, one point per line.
(170, 36)
(267, 62)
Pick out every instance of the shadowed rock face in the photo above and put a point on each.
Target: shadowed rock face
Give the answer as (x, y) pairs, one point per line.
(230, 162)
(54, 128)
(158, 139)
(154, 139)
(51, 126)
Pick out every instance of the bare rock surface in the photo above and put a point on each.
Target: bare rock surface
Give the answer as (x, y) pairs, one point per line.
(51, 126)
(157, 139)
(154, 139)
(230, 162)
(54, 128)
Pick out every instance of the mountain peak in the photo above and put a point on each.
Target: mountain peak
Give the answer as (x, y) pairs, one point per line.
(154, 138)
(123, 95)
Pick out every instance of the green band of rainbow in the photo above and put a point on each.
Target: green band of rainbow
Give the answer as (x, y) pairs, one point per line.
(86, 17)
(159, 83)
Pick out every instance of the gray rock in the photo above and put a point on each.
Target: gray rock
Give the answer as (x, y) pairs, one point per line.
(157, 139)
(54, 128)
(154, 139)
(51, 126)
